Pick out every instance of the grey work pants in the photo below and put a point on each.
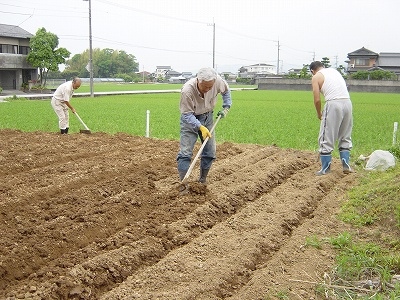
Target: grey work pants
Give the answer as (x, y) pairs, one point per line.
(336, 125)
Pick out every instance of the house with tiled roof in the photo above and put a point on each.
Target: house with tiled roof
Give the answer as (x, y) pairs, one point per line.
(364, 59)
(389, 61)
(14, 48)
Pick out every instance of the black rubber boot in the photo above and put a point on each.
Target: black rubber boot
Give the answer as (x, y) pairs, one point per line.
(62, 131)
(66, 130)
(182, 174)
(203, 175)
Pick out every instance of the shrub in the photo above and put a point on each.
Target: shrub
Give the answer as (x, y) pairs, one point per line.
(395, 150)
(374, 75)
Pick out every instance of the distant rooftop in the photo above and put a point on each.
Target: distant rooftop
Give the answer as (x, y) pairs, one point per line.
(14, 31)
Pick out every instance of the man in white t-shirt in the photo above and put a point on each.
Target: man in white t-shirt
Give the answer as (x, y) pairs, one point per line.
(336, 117)
(61, 102)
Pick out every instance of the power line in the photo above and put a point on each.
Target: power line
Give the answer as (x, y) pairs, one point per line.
(245, 35)
(141, 11)
(38, 8)
(150, 13)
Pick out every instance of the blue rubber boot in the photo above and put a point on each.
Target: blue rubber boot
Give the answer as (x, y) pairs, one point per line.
(345, 159)
(326, 164)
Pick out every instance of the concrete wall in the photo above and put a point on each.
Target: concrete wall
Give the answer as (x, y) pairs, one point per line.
(14, 61)
(14, 41)
(15, 70)
(375, 86)
(8, 79)
(283, 84)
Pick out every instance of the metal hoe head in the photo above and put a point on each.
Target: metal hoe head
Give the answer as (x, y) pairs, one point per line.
(85, 131)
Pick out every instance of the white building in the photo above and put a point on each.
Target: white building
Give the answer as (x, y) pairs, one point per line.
(261, 68)
(161, 71)
(257, 71)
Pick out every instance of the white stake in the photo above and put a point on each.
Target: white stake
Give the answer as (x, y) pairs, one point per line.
(395, 132)
(147, 123)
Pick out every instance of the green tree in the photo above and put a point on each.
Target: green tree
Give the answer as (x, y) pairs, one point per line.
(68, 75)
(77, 65)
(106, 63)
(44, 53)
(305, 73)
(125, 63)
(326, 62)
(342, 70)
(55, 74)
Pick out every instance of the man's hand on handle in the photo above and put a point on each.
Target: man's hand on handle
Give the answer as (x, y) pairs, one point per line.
(205, 132)
(223, 112)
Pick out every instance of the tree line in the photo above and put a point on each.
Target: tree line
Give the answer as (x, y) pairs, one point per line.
(359, 75)
(107, 63)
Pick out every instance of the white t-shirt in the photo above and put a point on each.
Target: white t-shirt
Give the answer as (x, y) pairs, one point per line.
(334, 86)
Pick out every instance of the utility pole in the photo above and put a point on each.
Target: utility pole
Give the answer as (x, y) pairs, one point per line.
(213, 44)
(213, 25)
(277, 66)
(90, 49)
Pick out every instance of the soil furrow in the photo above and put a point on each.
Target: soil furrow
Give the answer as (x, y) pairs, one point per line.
(107, 220)
(251, 238)
(181, 232)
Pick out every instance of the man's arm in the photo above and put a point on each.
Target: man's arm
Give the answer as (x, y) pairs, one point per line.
(316, 83)
(187, 109)
(189, 118)
(70, 106)
(226, 99)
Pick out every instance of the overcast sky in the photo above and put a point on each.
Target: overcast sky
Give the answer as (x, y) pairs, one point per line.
(179, 33)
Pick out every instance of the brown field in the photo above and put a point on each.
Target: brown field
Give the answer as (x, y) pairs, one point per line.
(99, 216)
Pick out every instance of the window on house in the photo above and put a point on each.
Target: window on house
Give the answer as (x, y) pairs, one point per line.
(362, 61)
(8, 48)
(24, 50)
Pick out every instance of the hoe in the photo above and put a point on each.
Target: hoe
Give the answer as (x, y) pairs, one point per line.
(86, 130)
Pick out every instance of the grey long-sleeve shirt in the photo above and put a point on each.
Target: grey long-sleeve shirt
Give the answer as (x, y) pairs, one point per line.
(192, 103)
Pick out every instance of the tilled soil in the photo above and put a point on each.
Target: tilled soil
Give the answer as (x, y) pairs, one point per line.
(99, 216)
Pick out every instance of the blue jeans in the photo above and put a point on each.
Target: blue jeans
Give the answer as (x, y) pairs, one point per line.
(188, 138)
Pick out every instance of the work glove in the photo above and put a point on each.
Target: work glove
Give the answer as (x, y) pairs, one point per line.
(223, 112)
(204, 132)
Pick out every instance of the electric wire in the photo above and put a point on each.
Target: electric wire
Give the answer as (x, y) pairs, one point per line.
(140, 11)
